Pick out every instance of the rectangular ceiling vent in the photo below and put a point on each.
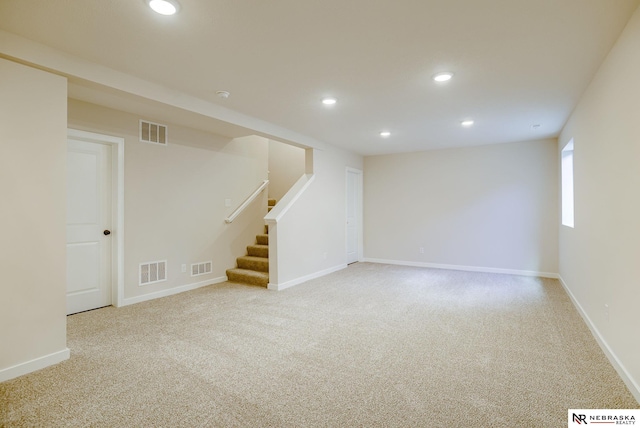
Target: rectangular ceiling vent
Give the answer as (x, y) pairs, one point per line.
(152, 272)
(201, 268)
(154, 133)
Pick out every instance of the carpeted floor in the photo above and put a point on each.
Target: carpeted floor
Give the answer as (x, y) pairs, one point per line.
(369, 346)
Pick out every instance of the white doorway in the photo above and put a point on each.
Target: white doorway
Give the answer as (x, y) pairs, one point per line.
(94, 221)
(354, 215)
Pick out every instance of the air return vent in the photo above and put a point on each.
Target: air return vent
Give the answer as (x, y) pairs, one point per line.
(152, 272)
(201, 268)
(153, 133)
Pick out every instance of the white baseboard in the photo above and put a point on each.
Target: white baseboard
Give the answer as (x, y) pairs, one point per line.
(465, 268)
(172, 291)
(305, 278)
(631, 383)
(33, 365)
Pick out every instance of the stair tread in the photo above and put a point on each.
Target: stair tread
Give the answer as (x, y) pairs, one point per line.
(254, 258)
(258, 250)
(248, 277)
(256, 263)
(248, 272)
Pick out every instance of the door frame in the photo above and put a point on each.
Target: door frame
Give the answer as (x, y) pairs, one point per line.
(117, 206)
(359, 209)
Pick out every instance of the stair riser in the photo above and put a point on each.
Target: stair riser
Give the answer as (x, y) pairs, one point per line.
(245, 279)
(262, 239)
(257, 251)
(260, 266)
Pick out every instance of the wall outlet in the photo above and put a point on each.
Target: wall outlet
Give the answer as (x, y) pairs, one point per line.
(227, 202)
(421, 250)
(606, 312)
(184, 268)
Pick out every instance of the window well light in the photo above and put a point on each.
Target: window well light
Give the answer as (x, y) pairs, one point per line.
(467, 123)
(385, 134)
(443, 77)
(329, 101)
(164, 7)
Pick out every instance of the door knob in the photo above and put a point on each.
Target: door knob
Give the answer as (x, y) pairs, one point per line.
(107, 232)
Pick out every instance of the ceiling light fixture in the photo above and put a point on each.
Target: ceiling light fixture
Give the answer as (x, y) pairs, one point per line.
(385, 134)
(329, 101)
(164, 7)
(467, 123)
(223, 94)
(443, 77)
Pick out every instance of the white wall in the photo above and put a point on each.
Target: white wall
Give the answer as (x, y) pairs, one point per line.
(311, 236)
(599, 258)
(286, 166)
(175, 197)
(490, 207)
(33, 130)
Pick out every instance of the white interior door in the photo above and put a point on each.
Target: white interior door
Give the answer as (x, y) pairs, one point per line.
(88, 226)
(353, 214)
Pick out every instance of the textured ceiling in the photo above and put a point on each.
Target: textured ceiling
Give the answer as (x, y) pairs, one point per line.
(516, 62)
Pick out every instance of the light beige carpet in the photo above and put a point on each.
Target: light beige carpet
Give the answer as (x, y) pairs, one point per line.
(369, 346)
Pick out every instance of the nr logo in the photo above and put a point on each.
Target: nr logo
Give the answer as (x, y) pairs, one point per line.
(580, 419)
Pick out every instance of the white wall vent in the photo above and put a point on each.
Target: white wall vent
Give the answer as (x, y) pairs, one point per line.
(154, 133)
(152, 272)
(201, 268)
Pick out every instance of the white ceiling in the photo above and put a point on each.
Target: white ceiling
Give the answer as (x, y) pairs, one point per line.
(516, 62)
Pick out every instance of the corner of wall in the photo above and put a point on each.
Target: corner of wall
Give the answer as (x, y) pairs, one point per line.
(627, 378)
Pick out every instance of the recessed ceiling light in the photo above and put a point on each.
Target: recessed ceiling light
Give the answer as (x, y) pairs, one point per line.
(443, 77)
(329, 101)
(385, 134)
(223, 94)
(467, 123)
(164, 7)
(535, 127)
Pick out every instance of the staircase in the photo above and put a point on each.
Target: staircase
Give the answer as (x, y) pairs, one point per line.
(253, 269)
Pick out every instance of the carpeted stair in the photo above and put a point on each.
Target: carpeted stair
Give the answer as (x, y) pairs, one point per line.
(253, 269)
